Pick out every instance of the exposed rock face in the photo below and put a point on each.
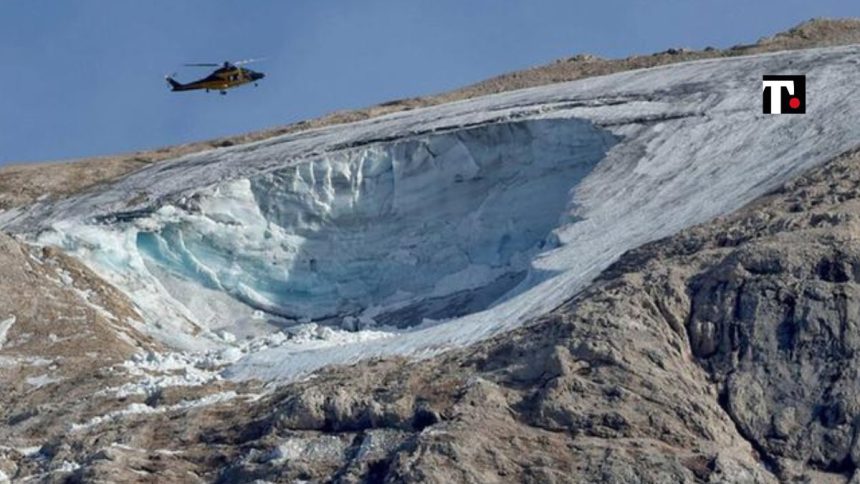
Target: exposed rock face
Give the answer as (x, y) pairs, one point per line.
(773, 317)
(776, 322)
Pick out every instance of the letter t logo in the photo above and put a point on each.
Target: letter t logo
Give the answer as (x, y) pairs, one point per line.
(772, 94)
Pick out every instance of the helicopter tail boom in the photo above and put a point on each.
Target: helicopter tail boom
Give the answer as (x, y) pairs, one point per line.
(174, 85)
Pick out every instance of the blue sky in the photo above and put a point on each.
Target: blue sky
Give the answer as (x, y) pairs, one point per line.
(84, 78)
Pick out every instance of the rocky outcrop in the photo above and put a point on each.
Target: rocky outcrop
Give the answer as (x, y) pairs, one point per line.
(775, 321)
(772, 316)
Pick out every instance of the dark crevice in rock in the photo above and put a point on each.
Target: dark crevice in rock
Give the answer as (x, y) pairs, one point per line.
(377, 471)
(832, 270)
(769, 463)
(424, 417)
(844, 467)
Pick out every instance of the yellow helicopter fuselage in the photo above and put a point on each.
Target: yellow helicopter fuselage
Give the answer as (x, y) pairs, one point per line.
(220, 80)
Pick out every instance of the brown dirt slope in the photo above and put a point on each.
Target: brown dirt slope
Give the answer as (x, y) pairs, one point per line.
(62, 309)
(60, 324)
(22, 184)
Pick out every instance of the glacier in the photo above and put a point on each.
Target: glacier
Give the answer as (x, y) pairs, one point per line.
(437, 227)
(382, 225)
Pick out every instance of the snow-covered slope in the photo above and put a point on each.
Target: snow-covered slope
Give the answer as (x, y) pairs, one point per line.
(441, 226)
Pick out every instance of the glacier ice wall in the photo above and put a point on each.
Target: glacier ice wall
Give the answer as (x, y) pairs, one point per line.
(387, 225)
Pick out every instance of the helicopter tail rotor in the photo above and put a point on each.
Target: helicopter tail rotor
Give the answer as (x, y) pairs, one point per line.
(175, 86)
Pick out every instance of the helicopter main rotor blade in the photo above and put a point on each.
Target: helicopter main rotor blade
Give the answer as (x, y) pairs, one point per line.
(247, 61)
(202, 65)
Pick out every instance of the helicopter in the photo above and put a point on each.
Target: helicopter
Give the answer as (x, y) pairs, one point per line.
(227, 76)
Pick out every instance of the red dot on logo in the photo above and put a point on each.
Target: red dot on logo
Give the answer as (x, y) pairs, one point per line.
(794, 103)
